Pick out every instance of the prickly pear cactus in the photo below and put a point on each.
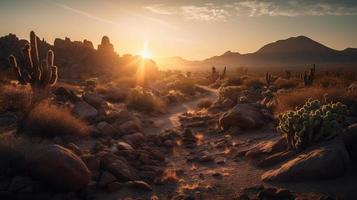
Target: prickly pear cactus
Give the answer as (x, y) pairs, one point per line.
(312, 123)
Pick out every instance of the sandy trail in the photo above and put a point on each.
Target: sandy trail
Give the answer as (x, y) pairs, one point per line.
(171, 118)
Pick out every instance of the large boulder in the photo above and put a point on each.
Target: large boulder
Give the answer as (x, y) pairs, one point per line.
(350, 139)
(243, 116)
(84, 110)
(59, 167)
(95, 100)
(325, 161)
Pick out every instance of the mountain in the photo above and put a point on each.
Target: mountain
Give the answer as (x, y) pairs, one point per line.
(294, 52)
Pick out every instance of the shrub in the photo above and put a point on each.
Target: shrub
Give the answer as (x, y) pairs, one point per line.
(254, 83)
(51, 120)
(233, 81)
(231, 92)
(312, 123)
(286, 84)
(15, 98)
(204, 103)
(142, 100)
(290, 100)
(184, 85)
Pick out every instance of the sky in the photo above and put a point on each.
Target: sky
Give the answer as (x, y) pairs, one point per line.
(192, 29)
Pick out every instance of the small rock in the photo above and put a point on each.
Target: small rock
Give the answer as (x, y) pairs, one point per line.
(124, 146)
(139, 185)
(105, 179)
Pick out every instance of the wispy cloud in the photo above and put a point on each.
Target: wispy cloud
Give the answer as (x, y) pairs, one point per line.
(204, 13)
(159, 9)
(83, 13)
(217, 11)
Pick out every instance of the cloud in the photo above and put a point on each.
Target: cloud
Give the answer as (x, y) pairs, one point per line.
(204, 13)
(293, 8)
(159, 9)
(217, 11)
(83, 13)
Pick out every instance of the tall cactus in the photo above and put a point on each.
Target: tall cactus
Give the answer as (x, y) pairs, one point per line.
(38, 73)
(287, 74)
(268, 78)
(309, 76)
(223, 75)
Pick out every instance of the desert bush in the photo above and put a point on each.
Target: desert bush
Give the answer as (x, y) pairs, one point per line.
(232, 81)
(184, 85)
(15, 98)
(231, 92)
(51, 120)
(285, 83)
(290, 100)
(142, 100)
(174, 96)
(312, 123)
(204, 103)
(254, 83)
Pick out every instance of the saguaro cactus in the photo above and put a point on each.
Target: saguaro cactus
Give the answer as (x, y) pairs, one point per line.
(223, 75)
(268, 78)
(38, 73)
(309, 76)
(287, 74)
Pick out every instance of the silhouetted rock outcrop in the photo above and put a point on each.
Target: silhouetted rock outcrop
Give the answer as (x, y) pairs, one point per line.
(78, 60)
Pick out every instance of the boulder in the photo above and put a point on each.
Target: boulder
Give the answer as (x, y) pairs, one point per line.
(95, 100)
(119, 167)
(105, 128)
(84, 110)
(105, 179)
(59, 167)
(350, 140)
(243, 116)
(328, 160)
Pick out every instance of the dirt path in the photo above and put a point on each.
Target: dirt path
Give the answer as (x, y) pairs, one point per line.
(171, 118)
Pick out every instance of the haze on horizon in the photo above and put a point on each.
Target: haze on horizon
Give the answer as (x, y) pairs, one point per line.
(190, 29)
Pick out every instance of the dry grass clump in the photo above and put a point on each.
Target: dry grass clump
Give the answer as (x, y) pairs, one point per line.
(255, 83)
(204, 103)
(332, 81)
(184, 85)
(142, 100)
(231, 92)
(282, 83)
(51, 120)
(290, 100)
(15, 98)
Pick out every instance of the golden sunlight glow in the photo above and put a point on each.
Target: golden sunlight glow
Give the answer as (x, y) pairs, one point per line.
(144, 52)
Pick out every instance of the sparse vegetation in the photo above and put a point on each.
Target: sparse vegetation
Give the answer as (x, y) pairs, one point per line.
(142, 100)
(312, 123)
(231, 92)
(15, 98)
(50, 120)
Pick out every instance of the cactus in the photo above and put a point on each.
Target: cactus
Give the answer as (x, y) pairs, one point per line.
(39, 73)
(312, 123)
(223, 75)
(287, 74)
(268, 78)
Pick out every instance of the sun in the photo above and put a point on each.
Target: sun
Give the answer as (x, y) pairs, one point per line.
(144, 52)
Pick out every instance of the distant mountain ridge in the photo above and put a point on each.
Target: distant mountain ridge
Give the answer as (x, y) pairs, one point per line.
(293, 52)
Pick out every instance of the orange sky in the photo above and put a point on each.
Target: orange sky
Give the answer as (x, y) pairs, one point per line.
(190, 29)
